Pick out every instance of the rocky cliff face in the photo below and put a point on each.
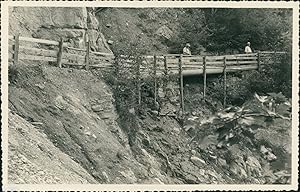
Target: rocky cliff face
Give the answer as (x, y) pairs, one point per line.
(53, 23)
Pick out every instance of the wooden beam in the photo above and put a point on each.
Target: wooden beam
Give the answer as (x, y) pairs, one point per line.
(224, 83)
(36, 58)
(181, 85)
(37, 51)
(35, 40)
(258, 61)
(103, 54)
(16, 49)
(155, 79)
(60, 52)
(204, 77)
(139, 81)
(166, 65)
(87, 55)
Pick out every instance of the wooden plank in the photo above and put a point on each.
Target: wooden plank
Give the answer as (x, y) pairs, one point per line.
(102, 59)
(16, 49)
(241, 62)
(204, 77)
(87, 56)
(246, 55)
(258, 61)
(35, 40)
(102, 54)
(165, 65)
(36, 58)
(243, 58)
(38, 51)
(271, 52)
(60, 52)
(200, 58)
(224, 83)
(214, 58)
(214, 62)
(193, 64)
(103, 67)
(139, 82)
(172, 61)
(181, 85)
(76, 49)
(104, 63)
(155, 79)
(72, 56)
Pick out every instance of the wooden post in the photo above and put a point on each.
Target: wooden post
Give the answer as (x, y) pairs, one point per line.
(204, 77)
(181, 85)
(16, 49)
(60, 52)
(87, 55)
(274, 58)
(155, 79)
(139, 81)
(224, 83)
(166, 65)
(258, 61)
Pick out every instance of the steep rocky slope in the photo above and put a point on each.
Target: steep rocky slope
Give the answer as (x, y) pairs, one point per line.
(148, 27)
(75, 111)
(65, 120)
(71, 24)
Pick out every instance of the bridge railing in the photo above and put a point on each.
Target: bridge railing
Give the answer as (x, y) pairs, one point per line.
(58, 52)
(62, 54)
(194, 64)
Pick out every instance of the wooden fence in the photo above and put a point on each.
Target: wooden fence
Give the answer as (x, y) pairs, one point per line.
(58, 52)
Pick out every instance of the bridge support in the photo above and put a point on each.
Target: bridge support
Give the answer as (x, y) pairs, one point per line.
(87, 55)
(60, 52)
(16, 49)
(138, 74)
(204, 77)
(224, 83)
(155, 79)
(258, 61)
(181, 85)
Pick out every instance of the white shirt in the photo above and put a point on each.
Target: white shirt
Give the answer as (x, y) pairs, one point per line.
(186, 51)
(248, 49)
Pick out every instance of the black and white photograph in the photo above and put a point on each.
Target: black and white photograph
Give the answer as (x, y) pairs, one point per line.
(187, 96)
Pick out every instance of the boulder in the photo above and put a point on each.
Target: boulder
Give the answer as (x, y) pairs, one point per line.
(222, 162)
(60, 103)
(92, 22)
(253, 167)
(131, 111)
(164, 31)
(110, 42)
(105, 177)
(97, 108)
(197, 161)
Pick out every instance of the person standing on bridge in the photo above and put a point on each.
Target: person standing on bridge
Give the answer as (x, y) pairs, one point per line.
(248, 48)
(186, 50)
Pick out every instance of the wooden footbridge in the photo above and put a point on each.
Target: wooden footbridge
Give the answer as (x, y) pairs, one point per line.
(62, 54)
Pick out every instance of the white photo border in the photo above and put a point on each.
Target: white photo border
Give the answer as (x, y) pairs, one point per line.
(142, 4)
